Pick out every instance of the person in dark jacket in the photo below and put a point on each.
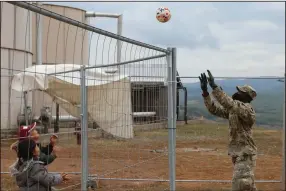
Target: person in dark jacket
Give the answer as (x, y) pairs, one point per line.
(30, 173)
(46, 155)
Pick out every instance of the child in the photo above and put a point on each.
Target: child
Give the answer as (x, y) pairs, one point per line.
(30, 173)
(46, 155)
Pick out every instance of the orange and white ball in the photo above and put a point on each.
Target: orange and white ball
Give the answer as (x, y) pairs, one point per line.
(163, 14)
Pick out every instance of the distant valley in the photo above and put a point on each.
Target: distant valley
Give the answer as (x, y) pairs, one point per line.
(268, 104)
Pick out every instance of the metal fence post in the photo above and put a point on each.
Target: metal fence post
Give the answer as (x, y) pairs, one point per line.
(283, 142)
(171, 119)
(84, 136)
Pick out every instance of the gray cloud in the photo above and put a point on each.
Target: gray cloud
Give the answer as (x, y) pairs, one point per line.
(237, 39)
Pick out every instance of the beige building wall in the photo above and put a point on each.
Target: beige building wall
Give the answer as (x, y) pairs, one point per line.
(16, 55)
(61, 44)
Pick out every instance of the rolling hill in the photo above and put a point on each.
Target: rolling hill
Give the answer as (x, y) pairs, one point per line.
(268, 104)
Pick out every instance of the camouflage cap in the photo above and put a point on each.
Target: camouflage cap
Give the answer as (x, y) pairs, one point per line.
(247, 89)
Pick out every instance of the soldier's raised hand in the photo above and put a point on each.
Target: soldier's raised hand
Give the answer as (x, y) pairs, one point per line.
(211, 80)
(204, 82)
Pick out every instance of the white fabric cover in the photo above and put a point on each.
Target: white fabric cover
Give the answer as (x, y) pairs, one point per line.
(108, 95)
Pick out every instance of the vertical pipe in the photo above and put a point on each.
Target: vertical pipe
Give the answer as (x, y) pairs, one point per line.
(84, 138)
(171, 154)
(174, 80)
(56, 128)
(9, 88)
(284, 146)
(177, 103)
(186, 105)
(38, 47)
(25, 107)
(119, 32)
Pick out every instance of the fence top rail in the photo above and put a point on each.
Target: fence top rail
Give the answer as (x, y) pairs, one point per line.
(73, 22)
(254, 78)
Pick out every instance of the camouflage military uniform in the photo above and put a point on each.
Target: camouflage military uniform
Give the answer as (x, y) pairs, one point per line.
(241, 147)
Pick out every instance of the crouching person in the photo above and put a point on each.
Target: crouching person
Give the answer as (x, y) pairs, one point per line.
(30, 173)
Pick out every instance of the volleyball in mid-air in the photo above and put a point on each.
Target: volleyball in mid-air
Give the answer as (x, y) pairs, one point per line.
(163, 14)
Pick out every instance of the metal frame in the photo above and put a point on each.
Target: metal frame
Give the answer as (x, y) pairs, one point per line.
(228, 77)
(119, 18)
(84, 130)
(170, 54)
(283, 177)
(172, 119)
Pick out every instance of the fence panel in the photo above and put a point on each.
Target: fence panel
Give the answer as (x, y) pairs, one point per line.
(106, 96)
(202, 145)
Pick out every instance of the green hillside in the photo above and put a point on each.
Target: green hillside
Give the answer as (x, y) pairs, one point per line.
(268, 104)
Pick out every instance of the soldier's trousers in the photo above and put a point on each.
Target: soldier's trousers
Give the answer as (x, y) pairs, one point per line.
(243, 173)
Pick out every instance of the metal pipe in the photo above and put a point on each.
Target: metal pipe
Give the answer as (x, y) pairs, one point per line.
(284, 146)
(63, 118)
(171, 154)
(119, 18)
(165, 180)
(119, 44)
(73, 22)
(109, 65)
(257, 78)
(177, 103)
(25, 107)
(96, 14)
(186, 105)
(174, 83)
(143, 114)
(68, 118)
(10, 89)
(84, 134)
(57, 120)
(128, 62)
(52, 172)
(156, 180)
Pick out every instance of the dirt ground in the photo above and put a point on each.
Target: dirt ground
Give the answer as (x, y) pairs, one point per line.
(201, 154)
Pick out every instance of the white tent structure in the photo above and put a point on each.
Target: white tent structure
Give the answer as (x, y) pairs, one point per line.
(108, 95)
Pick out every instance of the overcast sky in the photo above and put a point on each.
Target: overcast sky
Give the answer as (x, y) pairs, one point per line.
(229, 38)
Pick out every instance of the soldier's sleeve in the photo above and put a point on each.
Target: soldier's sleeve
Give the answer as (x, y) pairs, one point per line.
(44, 149)
(244, 111)
(214, 108)
(47, 159)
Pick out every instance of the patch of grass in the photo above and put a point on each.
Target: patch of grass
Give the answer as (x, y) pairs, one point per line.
(215, 134)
